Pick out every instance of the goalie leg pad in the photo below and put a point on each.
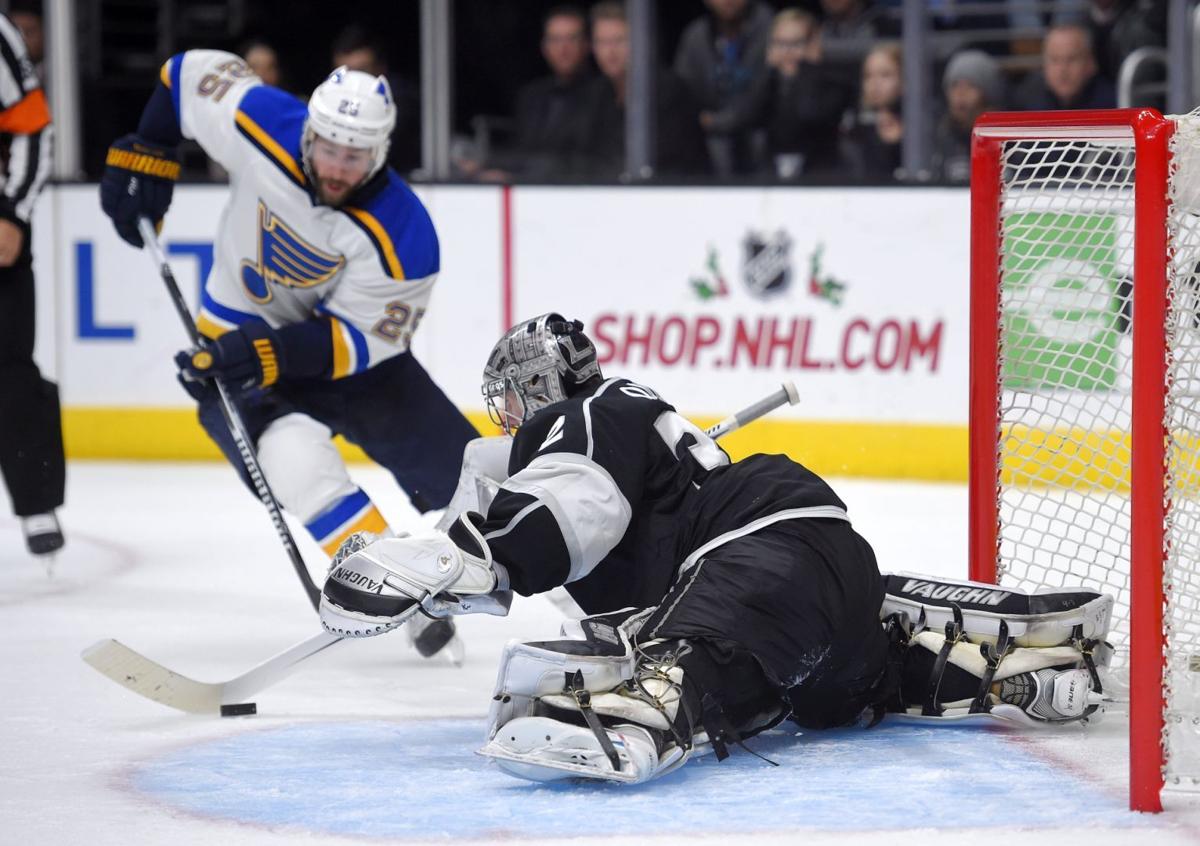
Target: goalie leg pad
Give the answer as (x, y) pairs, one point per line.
(586, 707)
(546, 749)
(1033, 619)
(619, 712)
(942, 678)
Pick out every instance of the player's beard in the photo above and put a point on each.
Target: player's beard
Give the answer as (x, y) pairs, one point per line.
(343, 191)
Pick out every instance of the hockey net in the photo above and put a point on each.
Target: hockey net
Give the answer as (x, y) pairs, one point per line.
(1085, 394)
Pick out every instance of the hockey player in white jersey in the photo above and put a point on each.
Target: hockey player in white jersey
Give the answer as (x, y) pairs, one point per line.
(724, 596)
(323, 266)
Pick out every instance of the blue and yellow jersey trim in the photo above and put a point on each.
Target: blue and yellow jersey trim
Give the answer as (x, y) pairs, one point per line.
(350, 514)
(349, 344)
(273, 122)
(398, 227)
(169, 74)
(215, 319)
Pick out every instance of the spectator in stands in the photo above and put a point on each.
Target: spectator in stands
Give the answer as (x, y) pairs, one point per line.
(852, 19)
(1069, 78)
(973, 83)
(263, 60)
(873, 133)
(679, 144)
(796, 105)
(551, 134)
(720, 57)
(357, 49)
(1119, 27)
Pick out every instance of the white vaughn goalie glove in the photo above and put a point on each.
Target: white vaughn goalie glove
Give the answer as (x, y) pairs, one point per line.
(380, 585)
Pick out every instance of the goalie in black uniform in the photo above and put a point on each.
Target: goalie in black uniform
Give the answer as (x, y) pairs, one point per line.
(723, 597)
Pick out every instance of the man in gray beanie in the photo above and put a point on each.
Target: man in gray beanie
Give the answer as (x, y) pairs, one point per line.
(973, 83)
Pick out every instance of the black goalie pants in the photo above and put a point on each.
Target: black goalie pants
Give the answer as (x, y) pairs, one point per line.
(31, 447)
(788, 614)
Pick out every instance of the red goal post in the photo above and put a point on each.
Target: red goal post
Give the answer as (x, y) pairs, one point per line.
(1075, 449)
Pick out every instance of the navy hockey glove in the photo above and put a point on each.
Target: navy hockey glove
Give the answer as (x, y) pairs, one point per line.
(248, 357)
(138, 180)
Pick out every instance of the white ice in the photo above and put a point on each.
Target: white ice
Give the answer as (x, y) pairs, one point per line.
(371, 744)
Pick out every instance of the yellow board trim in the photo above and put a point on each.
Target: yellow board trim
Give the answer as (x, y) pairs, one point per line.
(385, 241)
(270, 145)
(876, 450)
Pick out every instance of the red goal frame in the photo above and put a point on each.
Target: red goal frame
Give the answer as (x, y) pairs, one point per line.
(1151, 134)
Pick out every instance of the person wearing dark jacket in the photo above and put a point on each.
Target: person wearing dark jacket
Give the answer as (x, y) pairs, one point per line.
(679, 144)
(553, 114)
(1069, 78)
(973, 83)
(720, 59)
(873, 133)
(797, 104)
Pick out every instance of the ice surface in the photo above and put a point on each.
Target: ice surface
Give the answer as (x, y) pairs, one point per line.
(372, 744)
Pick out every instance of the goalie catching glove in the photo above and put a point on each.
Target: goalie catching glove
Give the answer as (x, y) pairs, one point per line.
(379, 586)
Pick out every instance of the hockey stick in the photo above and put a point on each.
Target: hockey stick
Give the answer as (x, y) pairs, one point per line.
(786, 394)
(153, 681)
(233, 419)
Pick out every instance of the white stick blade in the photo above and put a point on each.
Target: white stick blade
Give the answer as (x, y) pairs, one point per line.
(153, 681)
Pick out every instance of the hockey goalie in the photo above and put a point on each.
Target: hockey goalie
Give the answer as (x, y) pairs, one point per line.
(722, 597)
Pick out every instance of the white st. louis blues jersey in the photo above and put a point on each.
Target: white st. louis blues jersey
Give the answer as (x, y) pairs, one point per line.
(280, 256)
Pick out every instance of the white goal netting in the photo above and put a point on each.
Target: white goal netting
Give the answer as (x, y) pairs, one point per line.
(1063, 445)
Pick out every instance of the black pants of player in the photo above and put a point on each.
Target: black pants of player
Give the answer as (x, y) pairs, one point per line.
(394, 411)
(31, 446)
(788, 614)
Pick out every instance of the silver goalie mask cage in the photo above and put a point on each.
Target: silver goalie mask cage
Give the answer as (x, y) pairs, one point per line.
(538, 362)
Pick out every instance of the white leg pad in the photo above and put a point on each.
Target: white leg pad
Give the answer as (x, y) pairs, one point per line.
(543, 749)
(528, 672)
(302, 465)
(1042, 618)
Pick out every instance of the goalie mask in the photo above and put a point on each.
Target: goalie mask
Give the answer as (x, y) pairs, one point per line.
(354, 109)
(538, 362)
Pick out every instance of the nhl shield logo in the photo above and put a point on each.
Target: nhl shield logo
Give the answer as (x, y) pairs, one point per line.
(767, 263)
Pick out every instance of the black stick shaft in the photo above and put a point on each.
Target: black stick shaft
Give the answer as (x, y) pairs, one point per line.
(233, 419)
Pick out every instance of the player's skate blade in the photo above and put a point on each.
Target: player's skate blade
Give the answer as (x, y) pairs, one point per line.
(542, 749)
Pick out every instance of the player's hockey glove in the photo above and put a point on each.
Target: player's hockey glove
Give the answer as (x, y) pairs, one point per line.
(138, 180)
(248, 357)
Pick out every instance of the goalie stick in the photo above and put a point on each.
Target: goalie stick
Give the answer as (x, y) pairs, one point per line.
(245, 446)
(151, 680)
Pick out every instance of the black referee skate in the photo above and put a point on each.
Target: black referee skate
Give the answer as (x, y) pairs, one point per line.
(43, 535)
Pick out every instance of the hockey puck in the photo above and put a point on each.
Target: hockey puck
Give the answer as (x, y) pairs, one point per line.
(242, 709)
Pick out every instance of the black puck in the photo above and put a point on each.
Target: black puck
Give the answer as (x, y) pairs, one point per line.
(242, 709)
